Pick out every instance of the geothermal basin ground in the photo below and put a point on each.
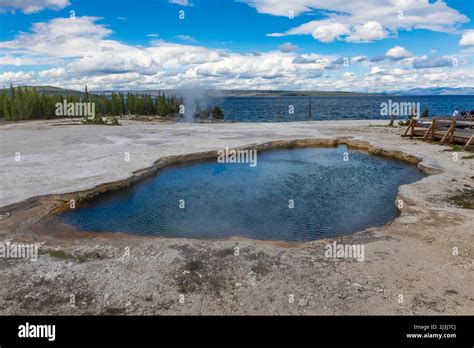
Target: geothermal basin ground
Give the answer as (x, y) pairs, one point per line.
(420, 263)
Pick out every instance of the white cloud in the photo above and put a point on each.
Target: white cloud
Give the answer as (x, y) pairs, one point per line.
(367, 32)
(349, 75)
(281, 8)
(180, 2)
(376, 70)
(287, 47)
(62, 37)
(32, 6)
(398, 52)
(467, 38)
(186, 38)
(16, 78)
(362, 21)
(78, 52)
(276, 34)
(329, 32)
(55, 72)
(425, 62)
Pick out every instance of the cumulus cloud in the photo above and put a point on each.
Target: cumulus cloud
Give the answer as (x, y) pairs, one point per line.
(349, 75)
(328, 31)
(16, 78)
(363, 21)
(33, 6)
(78, 52)
(376, 70)
(467, 38)
(358, 59)
(62, 37)
(367, 32)
(397, 52)
(303, 60)
(287, 47)
(425, 62)
(53, 73)
(90, 57)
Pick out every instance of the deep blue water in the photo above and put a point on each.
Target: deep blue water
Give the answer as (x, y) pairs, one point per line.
(274, 109)
(331, 197)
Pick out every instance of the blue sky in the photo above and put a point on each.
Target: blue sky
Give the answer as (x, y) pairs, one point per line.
(386, 44)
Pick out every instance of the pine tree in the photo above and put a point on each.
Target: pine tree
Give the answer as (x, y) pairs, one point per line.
(86, 95)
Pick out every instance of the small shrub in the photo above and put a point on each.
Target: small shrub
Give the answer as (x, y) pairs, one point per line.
(217, 113)
(115, 121)
(95, 120)
(426, 113)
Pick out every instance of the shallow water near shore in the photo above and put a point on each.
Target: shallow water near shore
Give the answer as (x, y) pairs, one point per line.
(291, 195)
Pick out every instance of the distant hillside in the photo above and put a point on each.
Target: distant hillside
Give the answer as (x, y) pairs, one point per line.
(51, 90)
(259, 93)
(436, 91)
(242, 93)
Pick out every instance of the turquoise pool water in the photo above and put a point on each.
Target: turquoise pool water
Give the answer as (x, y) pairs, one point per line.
(291, 195)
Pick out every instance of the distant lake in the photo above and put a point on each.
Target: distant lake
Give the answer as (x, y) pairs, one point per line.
(274, 109)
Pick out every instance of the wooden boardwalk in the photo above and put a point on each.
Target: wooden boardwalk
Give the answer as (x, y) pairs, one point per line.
(446, 130)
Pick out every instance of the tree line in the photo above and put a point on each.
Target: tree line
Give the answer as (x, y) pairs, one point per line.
(25, 103)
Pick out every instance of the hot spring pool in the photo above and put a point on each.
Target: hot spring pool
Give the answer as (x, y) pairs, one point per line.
(330, 197)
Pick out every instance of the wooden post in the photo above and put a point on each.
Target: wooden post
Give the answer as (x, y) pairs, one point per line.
(434, 128)
(412, 132)
(471, 140)
(451, 138)
(450, 132)
(431, 129)
(408, 128)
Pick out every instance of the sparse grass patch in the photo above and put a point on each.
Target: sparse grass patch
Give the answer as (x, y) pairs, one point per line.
(464, 200)
(114, 310)
(456, 148)
(226, 252)
(202, 275)
(59, 254)
(62, 255)
(194, 265)
(98, 120)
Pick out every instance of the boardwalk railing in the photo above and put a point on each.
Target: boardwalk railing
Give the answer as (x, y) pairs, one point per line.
(448, 130)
